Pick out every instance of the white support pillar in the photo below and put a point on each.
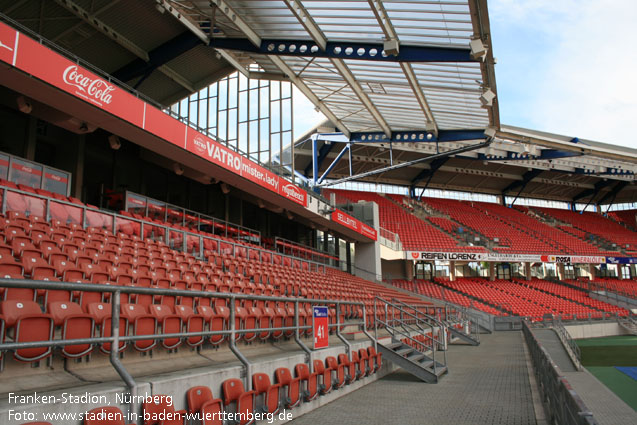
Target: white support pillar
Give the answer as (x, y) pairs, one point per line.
(527, 270)
(452, 271)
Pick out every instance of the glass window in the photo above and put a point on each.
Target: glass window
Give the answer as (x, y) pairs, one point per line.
(56, 181)
(26, 173)
(4, 166)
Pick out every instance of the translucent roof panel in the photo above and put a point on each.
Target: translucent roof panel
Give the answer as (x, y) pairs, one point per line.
(357, 91)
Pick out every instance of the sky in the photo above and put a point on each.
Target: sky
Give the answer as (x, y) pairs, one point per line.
(563, 66)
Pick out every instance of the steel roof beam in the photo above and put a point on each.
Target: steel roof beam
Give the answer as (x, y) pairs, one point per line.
(526, 179)
(344, 50)
(613, 193)
(304, 18)
(105, 29)
(390, 33)
(417, 136)
(594, 191)
(158, 56)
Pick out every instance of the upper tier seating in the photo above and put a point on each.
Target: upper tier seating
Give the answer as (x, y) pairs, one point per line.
(415, 234)
(598, 225)
(533, 299)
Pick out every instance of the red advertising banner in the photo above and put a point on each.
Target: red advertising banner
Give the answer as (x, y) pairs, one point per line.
(26, 169)
(320, 327)
(368, 231)
(53, 68)
(293, 192)
(48, 66)
(354, 224)
(8, 43)
(346, 220)
(55, 177)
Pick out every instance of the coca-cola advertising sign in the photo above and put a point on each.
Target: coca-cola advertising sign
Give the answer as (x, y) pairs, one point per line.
(93, 89)
(54, 69)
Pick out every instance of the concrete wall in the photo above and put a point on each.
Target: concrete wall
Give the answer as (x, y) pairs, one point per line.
(177, 383)
(394, 269)
(595, 330)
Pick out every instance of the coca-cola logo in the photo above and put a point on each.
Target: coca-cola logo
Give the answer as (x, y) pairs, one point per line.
(292, 191)
(200, 145)
(95, 88)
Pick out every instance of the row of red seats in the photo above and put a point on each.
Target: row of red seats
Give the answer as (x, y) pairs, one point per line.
(264, 400)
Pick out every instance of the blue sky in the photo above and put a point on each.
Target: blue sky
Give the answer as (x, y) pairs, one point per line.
(563, 66)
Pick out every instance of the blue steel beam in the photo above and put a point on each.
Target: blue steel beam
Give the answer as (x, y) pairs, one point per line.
(319, 158)
(613, 193)
(435, 166)
(526, 179)
(158, 57)
(417, 136)
(594, 191)
(333, 164)
(344, 50)
(544, 154)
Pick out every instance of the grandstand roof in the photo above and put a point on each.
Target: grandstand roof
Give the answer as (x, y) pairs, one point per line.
(532, 163)
(130, 40)
(334, 51)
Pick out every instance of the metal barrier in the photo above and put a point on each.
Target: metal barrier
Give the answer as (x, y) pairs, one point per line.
(115, 338)
(569, 343)
(563, 404)
(176, 239)
(391, 323)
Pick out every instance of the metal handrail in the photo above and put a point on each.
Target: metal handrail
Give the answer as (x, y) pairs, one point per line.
(167, 229)
(432, 337)
(569, 343)
(564, 405)
(115, 338)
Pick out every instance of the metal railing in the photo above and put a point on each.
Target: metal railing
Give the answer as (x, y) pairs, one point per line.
(569, 343)
(230, 333)
(563, 404)
(145, 206)
(390, 239)
(392, 324)
(177, 239)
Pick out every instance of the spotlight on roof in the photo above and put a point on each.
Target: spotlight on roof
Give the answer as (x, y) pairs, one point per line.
(487, 97)
(225, 188)
(24, 105)
(178, 168)
(391, 47)
(478, 49)
(114, 142)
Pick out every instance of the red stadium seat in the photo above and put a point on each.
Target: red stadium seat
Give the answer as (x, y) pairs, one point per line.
(243, 401)
(339, 369)
(266, 394)
(308, 380)
(141, 323)
(28, 324)
(168, 323)
(75, 324)
(284, 378)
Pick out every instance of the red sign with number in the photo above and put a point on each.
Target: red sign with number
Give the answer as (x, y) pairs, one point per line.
(321, 329)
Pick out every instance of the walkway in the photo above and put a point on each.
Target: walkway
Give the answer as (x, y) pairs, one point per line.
(488, 384)
(552, 343)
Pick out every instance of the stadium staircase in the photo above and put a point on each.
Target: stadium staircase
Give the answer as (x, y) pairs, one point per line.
(628, 323)
(413, 344)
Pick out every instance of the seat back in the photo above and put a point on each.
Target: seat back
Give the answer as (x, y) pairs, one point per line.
(197, 397)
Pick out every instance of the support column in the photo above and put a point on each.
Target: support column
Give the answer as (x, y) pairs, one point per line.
(618, 268)
(491, 271)
(452, 271)
(527, 270)
(78, 173)
(409, 269)
(561, 273)
(31, 139)
(592, 271)
(348, 257)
